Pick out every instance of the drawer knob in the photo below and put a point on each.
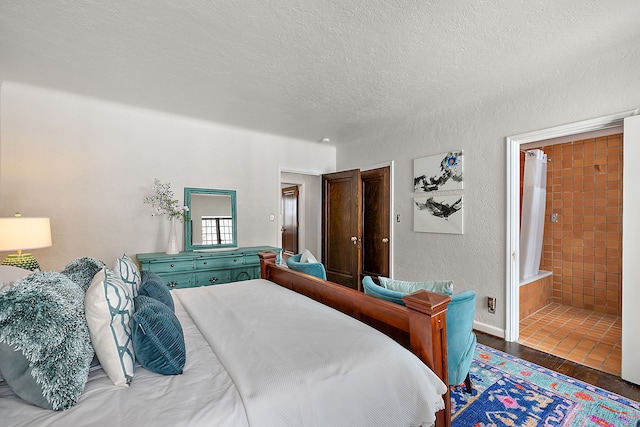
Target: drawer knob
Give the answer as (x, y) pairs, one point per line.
(171, 265)
(205, 263)
(213, 280)
(172, 284)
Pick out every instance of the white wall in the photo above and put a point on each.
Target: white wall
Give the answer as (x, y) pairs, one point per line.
(476, 260)
(88, 164)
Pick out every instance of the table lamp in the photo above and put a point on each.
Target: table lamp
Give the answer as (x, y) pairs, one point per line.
(17, 234)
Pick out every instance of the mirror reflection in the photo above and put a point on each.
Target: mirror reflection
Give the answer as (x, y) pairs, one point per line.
(211, 221)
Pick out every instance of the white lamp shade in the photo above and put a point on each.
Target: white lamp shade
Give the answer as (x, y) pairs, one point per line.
(24, 233)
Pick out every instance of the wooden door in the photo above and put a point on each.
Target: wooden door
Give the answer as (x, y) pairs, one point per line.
(341, 225)
(290, 221)
(376, 211)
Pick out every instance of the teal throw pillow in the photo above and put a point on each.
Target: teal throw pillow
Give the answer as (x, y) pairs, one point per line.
(439, 286)
(158, 339)
(154, 287)
(45, 348)
(82, 270)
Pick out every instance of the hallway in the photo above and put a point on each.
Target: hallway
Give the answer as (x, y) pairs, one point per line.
(583, 336)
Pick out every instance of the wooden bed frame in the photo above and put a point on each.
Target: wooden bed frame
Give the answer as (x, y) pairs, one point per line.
(420, 326)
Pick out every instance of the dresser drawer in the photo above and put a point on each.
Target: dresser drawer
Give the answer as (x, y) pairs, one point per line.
(177, 281)
(219, 262)
(215, 277)
(171, 266)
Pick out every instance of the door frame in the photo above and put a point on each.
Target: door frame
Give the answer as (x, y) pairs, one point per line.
(514, 143)
(301, 210)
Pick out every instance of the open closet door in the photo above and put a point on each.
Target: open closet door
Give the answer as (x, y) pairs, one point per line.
(630, 251)
(341, 227)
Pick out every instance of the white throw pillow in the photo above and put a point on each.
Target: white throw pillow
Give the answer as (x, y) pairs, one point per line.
(127, 270)
(108, 306)
(307, 256)
(10, 275)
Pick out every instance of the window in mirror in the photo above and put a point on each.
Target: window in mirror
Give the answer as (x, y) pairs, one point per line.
(211, 221)
(216, 230)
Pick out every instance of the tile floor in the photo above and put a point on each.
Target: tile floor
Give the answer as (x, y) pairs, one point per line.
(583, 336)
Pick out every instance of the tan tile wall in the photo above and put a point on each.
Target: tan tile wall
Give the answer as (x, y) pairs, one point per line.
(535, 296)
(583, 249)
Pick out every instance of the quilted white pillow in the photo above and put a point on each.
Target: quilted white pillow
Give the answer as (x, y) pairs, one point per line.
(127, 270)
(108, 306)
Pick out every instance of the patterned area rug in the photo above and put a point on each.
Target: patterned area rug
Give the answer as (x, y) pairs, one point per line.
(512, 392)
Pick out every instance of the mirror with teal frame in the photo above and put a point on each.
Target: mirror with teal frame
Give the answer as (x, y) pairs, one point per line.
(211, 220)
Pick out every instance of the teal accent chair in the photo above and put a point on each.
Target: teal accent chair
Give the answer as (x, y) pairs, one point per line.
(461, 340)
(312, 268)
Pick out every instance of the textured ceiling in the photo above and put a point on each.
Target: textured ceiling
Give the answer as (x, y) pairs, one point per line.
(305, 69)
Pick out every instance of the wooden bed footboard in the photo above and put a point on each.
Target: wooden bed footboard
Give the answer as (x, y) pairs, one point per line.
(420, 326)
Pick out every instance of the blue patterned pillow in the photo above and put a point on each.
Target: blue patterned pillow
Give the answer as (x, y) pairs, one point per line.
(157, 337)
(127, 270)
(82, 270)
(108, 305)
(45, 349)
(154, 287)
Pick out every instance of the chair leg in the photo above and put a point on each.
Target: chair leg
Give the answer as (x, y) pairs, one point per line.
(467, 383)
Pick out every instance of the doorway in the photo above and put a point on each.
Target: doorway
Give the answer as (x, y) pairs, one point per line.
(570, 302)
(308, 210)
(631, 231)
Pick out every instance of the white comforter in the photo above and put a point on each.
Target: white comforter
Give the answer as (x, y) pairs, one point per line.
(278, 359)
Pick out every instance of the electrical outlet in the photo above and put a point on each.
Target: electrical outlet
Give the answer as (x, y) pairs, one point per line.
(491, 304)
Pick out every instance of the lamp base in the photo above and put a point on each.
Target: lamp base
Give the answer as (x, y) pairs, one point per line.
(26, 261)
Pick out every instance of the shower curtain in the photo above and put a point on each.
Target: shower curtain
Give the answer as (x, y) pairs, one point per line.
(534, 197)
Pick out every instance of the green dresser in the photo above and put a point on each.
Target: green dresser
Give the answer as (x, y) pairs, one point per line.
(188, 269)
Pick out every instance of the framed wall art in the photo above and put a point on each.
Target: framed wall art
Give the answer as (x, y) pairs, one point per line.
(438, 214)
(438, 173)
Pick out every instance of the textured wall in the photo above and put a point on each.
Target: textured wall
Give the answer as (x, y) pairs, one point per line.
(477, 259)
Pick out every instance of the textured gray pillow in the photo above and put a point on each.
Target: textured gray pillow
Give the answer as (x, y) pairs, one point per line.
(82, 270)
(45, 348)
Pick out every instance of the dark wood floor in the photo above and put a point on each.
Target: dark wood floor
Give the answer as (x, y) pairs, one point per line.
(588, 375)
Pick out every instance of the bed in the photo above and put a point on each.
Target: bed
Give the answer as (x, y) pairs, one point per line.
(246, 366)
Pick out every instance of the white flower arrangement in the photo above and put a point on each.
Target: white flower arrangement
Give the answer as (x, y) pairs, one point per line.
(163, 202)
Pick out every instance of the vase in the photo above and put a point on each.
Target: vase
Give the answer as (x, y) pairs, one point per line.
(172, 244)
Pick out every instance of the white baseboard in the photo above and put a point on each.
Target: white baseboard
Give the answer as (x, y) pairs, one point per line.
(488, 329)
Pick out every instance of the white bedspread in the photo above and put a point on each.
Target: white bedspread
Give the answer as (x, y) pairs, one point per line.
(278, 359)
(301, 363)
